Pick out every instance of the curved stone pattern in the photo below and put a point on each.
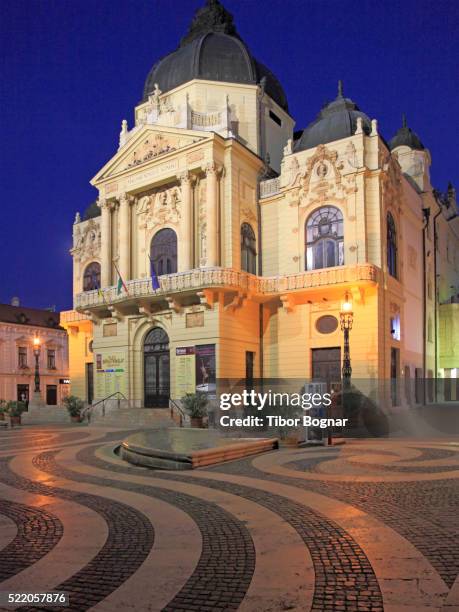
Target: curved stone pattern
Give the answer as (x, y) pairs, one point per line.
(38, 532)
(227, 561)
(130, 538)
(344, 576)
(400, 505)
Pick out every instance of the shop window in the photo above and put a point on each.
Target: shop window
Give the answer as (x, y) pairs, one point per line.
(324, 238)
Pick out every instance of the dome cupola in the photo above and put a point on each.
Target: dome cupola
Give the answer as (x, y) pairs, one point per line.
(405, 137)
(336, 120)
(212, 50)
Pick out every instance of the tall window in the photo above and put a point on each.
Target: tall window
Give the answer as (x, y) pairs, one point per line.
(248, 249)
(51, 359)
(163, 252)
(91, 277)
(22, 356)
(391, 246)
(324, 238)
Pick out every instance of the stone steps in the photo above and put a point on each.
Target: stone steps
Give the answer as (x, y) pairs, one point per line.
(133, 417)
(45, 414)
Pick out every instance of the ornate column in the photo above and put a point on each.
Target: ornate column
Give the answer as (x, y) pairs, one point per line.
(212, 214)
(124, 235)
(186, 225)
(106, 239)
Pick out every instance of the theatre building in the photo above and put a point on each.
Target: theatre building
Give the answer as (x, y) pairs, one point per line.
(258, 234)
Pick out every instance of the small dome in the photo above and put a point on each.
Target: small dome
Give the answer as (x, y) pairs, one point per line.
(336, 120)
(92, 211)
(212, 50)
(406, 137)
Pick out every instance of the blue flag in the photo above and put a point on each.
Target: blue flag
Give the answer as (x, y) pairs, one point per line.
(154, 279)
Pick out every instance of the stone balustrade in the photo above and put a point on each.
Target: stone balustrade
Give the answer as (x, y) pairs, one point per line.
(269, 187)
(236, 280)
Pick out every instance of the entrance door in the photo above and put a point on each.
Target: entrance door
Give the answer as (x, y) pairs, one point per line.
(51, 395)
(89, 382)
(326, 366)
(156, 369)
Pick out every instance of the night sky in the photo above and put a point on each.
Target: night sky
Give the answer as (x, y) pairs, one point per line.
(71, 70)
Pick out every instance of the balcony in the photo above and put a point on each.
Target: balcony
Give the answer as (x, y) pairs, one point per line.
(195, 281)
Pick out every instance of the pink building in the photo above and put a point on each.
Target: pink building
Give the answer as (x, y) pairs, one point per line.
(18, 328)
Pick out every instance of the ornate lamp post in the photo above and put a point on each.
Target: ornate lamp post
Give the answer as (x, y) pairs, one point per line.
(36, 352)
(346, 317)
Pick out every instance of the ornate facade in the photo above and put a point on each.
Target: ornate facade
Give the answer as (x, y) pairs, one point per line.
(257, 236)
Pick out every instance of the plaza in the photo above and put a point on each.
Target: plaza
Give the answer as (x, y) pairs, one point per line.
(364, 527)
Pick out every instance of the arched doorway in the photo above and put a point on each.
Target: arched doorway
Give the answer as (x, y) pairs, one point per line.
(156, 369)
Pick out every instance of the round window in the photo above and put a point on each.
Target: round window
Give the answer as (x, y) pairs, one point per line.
(326, 324)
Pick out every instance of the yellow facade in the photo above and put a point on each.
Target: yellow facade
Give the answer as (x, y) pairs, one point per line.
(207, 159)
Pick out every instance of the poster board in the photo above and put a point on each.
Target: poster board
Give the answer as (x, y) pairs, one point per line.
(111, 373)
(185, 370)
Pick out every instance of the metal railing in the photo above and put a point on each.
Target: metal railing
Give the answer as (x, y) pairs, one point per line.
(86, 414)
(177, 409)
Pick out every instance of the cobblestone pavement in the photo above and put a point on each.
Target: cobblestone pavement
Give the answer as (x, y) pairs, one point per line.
(369, 526)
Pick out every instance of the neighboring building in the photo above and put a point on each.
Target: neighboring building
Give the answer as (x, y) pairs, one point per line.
(258, 234)
(18, 328)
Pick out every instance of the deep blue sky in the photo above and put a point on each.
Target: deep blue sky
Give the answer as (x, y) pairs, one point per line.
(71, 70)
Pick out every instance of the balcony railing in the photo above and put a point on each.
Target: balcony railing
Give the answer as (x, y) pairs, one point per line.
(207, 278)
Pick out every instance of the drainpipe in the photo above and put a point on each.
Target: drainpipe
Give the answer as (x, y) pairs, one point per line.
(436, 298)
(260, 273)
(426, 212)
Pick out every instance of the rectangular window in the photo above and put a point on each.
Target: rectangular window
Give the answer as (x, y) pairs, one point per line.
(51, 395)
(51, 359)
(275, 118)
(22, 357)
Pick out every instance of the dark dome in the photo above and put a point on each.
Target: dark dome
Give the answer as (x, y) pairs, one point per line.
(406, 137)
(92, 211)
(336, 120)
(212, 50)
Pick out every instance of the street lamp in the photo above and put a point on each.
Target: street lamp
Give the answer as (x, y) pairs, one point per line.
(346, 317)
(36, 352)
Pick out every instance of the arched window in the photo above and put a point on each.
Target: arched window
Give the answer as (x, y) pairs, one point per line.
(324, 238)
(163, 252)
(248, 249)
(91, 277)
(391, 246)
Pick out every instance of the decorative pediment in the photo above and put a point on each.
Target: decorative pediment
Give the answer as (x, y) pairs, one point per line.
(322, 179)
(149, 144)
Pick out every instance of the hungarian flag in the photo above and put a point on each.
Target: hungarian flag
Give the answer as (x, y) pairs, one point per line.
(121, 284)
(154, 279)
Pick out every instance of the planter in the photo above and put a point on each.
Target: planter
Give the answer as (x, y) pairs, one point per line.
(196, 422)
(2, 416)
(15, 420)
(75, 418)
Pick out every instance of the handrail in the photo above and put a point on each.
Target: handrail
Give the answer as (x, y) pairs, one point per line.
(87, 412)
(182, 413)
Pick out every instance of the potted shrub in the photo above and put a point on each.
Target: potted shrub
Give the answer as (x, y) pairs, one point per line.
(15, 409)
(3, 410)
(74, 406)
(196, 406)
